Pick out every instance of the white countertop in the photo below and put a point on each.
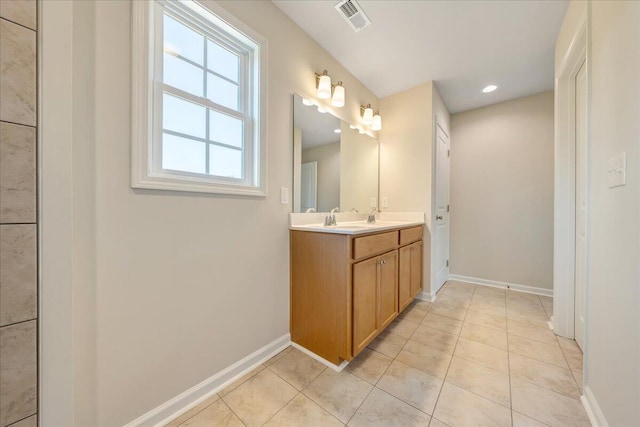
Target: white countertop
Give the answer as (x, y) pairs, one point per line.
(354, 223)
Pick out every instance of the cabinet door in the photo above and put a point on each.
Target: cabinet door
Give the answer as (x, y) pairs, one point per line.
(388, 289)
(365, 307)
(416, 268)
(405, 291)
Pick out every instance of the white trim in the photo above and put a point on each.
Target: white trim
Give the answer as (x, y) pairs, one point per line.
(197, 394)
(564, 184)
(426, 296)
(55, 214)
(503, 285)
(591, 407)
(337, 368)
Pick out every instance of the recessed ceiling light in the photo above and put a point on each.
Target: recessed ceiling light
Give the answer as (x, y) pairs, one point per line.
(337, 131)
(489, 88)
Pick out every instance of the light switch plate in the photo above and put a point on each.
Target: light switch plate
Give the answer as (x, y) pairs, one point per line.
(373, 202)
(284, 196)
(617, 173)
(385, 202)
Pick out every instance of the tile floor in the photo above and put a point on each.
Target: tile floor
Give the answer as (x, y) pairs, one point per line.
(478, 356)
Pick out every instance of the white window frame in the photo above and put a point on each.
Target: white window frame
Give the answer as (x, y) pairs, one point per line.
(147, 92)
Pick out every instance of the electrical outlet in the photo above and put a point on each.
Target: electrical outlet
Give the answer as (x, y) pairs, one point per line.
(284, 196)
(385, 202)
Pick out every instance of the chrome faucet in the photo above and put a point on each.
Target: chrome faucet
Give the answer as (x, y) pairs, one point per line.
(371, 219)
(311, 210)
(331, 218)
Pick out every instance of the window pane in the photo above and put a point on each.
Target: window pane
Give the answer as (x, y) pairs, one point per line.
(222, 92)
(182, 40)
(182, 75)
(222, 61)
(225, 162)
(184, 116)
(225, 129)
(183, 154)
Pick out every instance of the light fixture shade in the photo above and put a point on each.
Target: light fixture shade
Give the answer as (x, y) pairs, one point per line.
(376, 124)
(361, 131)
(367, 116)
(307, 102)
(324, 87)
(321, 109)
(338, 96)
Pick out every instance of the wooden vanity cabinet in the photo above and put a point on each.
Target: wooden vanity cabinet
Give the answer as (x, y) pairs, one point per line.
(375, 297)
(346, 289)
(410, 273)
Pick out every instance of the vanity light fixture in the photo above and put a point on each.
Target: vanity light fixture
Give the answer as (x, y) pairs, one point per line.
(321, 109)
(307, 102)
(489, 89)
(367, 114)
(361, 131)
(338, 95)
(376, 123)
(323, 84)
(327, 90)
(353, 127)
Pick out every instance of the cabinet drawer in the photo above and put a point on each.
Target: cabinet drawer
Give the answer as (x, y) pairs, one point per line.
(375, 244)
(409, 235)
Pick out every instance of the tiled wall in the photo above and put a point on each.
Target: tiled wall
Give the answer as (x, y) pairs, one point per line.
(18, 215)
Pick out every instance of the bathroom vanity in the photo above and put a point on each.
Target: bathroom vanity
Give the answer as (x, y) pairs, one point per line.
(350, 281)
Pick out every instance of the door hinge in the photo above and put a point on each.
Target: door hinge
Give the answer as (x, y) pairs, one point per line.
(448, 153)
(447, 208)
(447, 263)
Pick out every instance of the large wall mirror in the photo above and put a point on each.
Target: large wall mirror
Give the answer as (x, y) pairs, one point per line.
(333, 165)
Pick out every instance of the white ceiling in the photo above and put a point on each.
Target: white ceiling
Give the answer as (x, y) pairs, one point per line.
(461, 45)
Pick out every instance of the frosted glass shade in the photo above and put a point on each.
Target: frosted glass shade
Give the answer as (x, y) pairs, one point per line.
(338, 96)
(376, 124)
(367, 116)
(324, 87)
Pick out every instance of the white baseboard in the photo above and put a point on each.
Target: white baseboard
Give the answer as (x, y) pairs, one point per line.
(503, 285)
(337, 368)
(426, 296)
(593, 409)
(212, 385)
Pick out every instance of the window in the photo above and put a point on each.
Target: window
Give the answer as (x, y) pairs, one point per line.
(198, 100)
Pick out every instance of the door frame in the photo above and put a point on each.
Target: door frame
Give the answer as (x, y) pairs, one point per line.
(434, 176)
(564, 241)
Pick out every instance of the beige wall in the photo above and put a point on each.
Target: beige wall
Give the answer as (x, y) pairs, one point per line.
(502, 192)
(406, 155)
(184, 284)
(613, 339)
(328, 174)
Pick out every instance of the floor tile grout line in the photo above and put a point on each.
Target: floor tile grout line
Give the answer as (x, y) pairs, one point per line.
(506, 302)
(444, 380)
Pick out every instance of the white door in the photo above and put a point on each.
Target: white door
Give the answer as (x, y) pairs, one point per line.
(581, 203)
(309, 186)
(441, 227)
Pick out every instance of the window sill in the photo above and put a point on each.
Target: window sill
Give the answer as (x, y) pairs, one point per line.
(194, 185)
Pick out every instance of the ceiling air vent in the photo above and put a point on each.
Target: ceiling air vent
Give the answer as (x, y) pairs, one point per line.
(352, 12)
